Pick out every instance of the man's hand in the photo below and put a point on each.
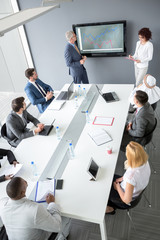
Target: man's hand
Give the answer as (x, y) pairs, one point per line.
(9, 177)
(138, 61)
(50, 198)
(129, 126)
(82, 61)
(38, 129)
(40, 125)
(49, 95)
(15, 162)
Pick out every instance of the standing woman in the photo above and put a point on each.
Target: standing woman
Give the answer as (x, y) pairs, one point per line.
(134, 181)
(143, 54)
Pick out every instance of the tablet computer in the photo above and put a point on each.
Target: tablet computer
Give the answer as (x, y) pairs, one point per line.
(93, 169)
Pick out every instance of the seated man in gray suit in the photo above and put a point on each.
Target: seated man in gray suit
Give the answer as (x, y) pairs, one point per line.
(74, 60)
(17, 121)
(143, 120)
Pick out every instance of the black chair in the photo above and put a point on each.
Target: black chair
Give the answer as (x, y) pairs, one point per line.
(133, 204)
(4, 135)
(3, 234)
(147, 138)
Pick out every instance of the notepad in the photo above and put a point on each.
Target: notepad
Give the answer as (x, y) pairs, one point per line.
(10, 170)
(108, 121)
(132, 59)
(100, 136)
(43, 188)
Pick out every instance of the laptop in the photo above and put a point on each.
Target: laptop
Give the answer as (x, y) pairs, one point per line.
(47, 129)
(65, 95)
(108, 97)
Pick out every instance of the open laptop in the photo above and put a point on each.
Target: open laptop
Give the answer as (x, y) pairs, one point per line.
(65, 95)
(47, 129)
(108, 97)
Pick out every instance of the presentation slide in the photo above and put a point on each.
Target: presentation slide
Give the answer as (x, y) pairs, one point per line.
(100, 38)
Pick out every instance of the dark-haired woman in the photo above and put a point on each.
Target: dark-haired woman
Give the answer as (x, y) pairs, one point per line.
(143, 54)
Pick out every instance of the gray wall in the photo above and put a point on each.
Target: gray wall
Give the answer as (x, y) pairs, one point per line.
(46, 37)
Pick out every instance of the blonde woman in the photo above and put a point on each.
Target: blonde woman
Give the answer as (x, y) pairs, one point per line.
(134, 181)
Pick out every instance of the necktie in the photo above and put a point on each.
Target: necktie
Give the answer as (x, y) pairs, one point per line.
(42, 91)
(77, 49)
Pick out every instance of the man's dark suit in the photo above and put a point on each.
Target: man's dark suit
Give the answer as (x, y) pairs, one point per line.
(16, 127)
(10, 156)
(36, 97)
(76, 70)
(143, 123)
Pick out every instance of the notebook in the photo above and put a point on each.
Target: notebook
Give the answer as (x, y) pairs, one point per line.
(43, 188)
(65, 95)
(99, 136)
(47, 129)
(108, 97)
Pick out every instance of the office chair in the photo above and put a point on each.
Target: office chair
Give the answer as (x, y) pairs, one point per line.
(3, 234)
(146, 140)
(154, 106)
(4, 134)
(133, 204)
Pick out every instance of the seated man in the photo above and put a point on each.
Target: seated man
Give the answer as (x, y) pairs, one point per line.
(39, 93)
(17, 121)
(143, 120)
(11, 159)
(25, 219)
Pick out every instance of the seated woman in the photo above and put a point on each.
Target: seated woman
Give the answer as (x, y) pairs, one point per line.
(11, 159)
(134, 181)
(148, 86)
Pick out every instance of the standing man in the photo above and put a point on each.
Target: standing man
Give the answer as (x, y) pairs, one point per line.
(25, 219)
(39, 93)
(74, 60)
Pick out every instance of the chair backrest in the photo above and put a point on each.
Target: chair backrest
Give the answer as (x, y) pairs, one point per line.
(154, 106)
(4, 134)
(147, 138)
(135, 202)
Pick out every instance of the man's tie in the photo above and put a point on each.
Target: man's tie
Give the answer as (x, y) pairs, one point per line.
(43, 92)
(77, 49)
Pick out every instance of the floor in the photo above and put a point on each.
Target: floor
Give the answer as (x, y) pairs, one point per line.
(119, 227)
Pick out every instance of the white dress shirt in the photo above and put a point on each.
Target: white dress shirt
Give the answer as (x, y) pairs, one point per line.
(27, 220)
(144, 53)
(138, 177)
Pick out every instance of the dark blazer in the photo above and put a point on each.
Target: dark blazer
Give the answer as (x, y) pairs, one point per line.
(16, 127)
(36, 97)
(10, 156)
(143, 122)
(72, 58)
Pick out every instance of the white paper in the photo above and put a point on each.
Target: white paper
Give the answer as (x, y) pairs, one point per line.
(100, 136)
(10, 170)
(44, 188)
(56, 105)
(103, 120)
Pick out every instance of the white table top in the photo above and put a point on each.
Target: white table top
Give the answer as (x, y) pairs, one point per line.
(81, 198)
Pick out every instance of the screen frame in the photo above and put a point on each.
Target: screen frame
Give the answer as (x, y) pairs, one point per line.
(105, 54)
(90, 163)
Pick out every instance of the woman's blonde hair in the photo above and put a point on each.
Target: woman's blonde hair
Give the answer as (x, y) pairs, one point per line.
(136, 155)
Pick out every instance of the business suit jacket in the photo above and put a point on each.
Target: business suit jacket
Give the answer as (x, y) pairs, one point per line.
(36, 97)
(10, 156)
(72, 58)
(16, 127)
(27, 220)
(143, 122)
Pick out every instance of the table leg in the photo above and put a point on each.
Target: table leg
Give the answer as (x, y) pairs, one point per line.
(103, 230)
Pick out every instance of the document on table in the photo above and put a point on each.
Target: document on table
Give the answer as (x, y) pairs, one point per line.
(108, 121)
(43, 188)
(99, 136)
(10, 170)
(56, 105)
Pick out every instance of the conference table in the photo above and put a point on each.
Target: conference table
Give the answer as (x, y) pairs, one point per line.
(80, 198)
